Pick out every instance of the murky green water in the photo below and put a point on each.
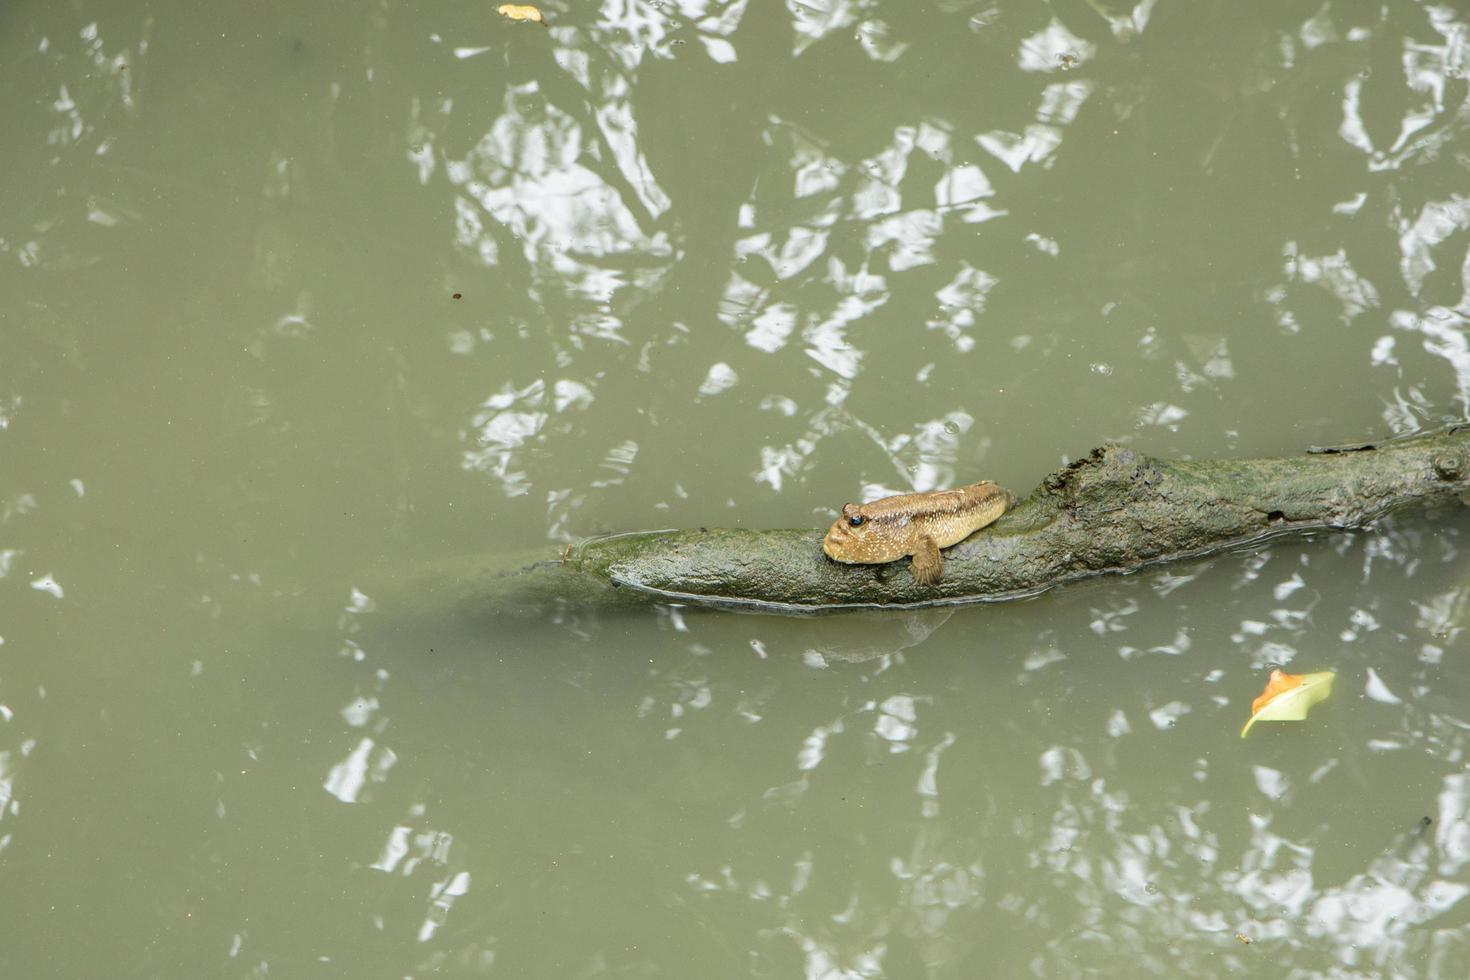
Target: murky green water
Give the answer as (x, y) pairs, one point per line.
(296, 293)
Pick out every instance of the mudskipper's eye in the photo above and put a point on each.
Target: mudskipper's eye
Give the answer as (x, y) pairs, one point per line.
(856, 521)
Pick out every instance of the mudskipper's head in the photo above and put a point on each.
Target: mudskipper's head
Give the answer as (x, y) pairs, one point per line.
(854, 537)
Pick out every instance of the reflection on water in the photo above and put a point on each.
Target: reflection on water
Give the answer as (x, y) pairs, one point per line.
(297, 294)
(973, 785)
(826, 240)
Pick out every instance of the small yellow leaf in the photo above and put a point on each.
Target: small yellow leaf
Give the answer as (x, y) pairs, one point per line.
(520, 11)
(1288, 697)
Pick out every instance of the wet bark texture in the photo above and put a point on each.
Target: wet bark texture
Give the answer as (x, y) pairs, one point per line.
(1116, 510)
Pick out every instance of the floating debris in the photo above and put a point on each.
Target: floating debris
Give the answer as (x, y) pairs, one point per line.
(521, 11)
(1288, 697)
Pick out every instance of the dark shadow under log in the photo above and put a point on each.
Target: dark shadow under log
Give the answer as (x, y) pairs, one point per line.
(1114, 511)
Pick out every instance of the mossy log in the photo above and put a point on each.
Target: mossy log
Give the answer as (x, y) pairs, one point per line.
(1114, 511)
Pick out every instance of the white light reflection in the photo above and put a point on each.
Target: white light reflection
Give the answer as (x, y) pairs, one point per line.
(1440, 615)
(359, 711)
(1285, 589)
(1444, 332)
(1162, 414)
(911, 235)
(814, 746)
(1063, 763)
(815, 19)
(1376, 689)
(507, 420)
(928, 783)
(772, 327)
(347, 779)
(1034, 145)
(961, 301)
(8, 803)
(1436, 223)
(619, 460)
(896, 722)
(1377, 916)
(1129, 23)
(1168, 715)
(1164, 583)
(963, 189)
(442, 897)
(928, 456)
(1044, 50)
(1216, 364)
(778, 463)
(721, 377)
(1425, 128)
(406, 849)
(47, 583)
(1111, 621)
(527, 172)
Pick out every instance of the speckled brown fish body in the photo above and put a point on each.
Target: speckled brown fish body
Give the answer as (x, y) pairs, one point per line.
(916, 524)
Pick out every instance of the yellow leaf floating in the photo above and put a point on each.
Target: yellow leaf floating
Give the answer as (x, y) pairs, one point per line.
(1288, 697)
(521, 11)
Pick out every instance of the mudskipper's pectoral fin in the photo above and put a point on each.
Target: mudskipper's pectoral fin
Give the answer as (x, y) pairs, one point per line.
(927, 565)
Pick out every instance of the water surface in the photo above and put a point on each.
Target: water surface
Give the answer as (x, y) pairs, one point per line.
(297, 297)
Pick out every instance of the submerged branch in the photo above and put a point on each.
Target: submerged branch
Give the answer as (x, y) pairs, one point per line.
(1115, 511)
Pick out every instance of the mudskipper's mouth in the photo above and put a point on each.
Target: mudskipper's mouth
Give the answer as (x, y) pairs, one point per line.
(832, 548)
